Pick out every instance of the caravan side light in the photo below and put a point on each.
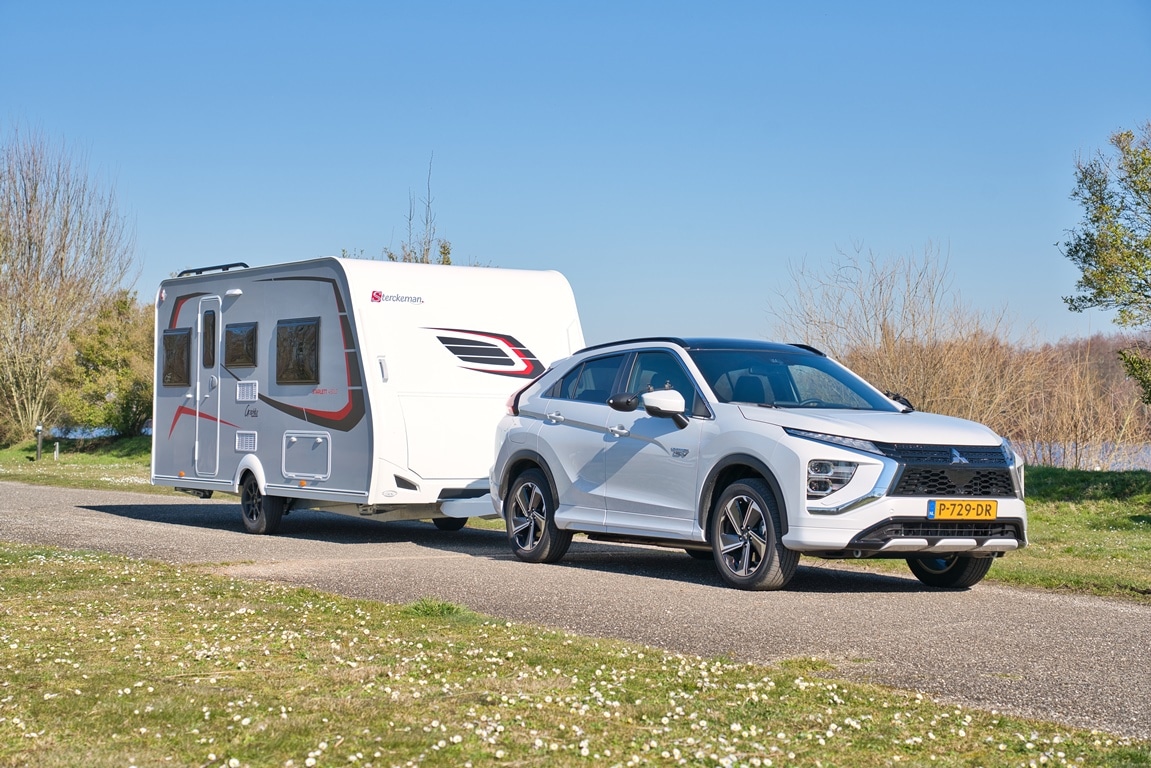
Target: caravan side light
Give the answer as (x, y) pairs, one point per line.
(233, 292)
(303, 483)
(180, 473)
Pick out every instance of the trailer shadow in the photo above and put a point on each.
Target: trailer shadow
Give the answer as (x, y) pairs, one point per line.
(305, 525)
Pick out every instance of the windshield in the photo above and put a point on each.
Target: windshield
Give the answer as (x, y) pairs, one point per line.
(785, 380)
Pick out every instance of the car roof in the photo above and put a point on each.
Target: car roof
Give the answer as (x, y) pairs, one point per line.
(710, 343)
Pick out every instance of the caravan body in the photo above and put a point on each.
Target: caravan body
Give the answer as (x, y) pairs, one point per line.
(354, 386)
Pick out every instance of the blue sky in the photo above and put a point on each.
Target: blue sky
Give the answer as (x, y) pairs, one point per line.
(672, 159)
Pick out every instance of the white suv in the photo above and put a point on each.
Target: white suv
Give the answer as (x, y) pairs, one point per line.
(750, 453)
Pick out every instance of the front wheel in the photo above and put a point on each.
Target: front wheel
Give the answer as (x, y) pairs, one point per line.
(529, 512)
(261, 513)
(951, 572)
(746, 538)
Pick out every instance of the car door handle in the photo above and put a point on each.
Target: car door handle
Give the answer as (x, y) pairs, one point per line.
(620, 431)
(556, 417)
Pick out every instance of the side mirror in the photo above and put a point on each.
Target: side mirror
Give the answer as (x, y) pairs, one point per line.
(623, 402)
(667, 404)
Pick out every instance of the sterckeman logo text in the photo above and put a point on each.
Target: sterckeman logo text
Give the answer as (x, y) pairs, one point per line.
(380, 296)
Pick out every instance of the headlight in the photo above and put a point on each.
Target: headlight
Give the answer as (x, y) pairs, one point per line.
(845, 442)
(826, 477)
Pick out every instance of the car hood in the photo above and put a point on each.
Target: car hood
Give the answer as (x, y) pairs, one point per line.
(878, 426)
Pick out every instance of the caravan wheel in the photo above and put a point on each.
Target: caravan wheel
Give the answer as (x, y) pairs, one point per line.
(449, 523)
(261, 513)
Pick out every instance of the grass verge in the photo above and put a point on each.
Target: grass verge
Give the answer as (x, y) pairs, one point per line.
(1088, 532)
(111, 464)
(116, 662)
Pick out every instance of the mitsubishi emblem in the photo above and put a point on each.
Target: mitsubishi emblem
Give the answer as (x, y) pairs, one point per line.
(956, 458)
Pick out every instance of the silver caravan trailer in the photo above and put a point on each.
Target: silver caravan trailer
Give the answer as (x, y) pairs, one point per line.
(352, 386)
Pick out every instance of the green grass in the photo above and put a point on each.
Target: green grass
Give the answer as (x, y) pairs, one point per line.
(1088, 532)
(115, 662)
(101, 463)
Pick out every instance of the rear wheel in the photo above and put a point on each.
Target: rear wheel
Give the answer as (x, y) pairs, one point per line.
(951, 572)
(449, 523)
(261, 513)
(746, 539)
(529, 512)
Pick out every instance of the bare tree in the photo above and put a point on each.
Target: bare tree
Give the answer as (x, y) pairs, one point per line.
(899, 323)
(64, 248)
(422, 247)
(1088, 415)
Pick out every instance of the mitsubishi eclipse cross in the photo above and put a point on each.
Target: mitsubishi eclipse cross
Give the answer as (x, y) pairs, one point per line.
(751, 454)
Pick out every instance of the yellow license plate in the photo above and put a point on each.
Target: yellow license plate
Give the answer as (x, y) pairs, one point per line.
(965, 509)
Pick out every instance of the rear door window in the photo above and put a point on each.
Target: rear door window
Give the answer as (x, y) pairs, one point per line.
(591, 381)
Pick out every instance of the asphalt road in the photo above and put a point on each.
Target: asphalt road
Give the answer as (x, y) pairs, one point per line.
(1071, 659)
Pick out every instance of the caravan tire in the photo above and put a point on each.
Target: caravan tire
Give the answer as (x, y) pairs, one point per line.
(449, 523)
(261, 513)
(529, 513)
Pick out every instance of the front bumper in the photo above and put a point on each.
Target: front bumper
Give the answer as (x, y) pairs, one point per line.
(899, 527)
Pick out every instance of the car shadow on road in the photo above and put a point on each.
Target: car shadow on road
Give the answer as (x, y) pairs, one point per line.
(675, 565)
(814, 576)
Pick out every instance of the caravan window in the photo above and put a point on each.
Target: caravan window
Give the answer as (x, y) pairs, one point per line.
(177, 357)
(209, 340)
(298, 351)
(240, 345)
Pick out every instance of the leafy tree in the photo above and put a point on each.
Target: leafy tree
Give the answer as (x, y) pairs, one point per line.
(1112, 244)
(64, 248)
(107, 381)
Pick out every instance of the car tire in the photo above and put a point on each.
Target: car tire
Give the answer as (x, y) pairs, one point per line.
(529, 513)
(449, 523)
(746, 540)
(261, 514)
(954, 572)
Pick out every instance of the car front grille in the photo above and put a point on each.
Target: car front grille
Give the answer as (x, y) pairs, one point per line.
(927, 481)
(946, 470)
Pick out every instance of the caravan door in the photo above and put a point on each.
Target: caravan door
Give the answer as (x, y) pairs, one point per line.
(207, 365)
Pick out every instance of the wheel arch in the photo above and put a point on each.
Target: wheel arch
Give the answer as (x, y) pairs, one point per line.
(249, 463)
(731, 469)
(523, 460)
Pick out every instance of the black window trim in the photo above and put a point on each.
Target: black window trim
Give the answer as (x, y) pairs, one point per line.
(297, 321)
(208, 345)
(186, 333)
(255, 326)
(622, 378)
(555, 391)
